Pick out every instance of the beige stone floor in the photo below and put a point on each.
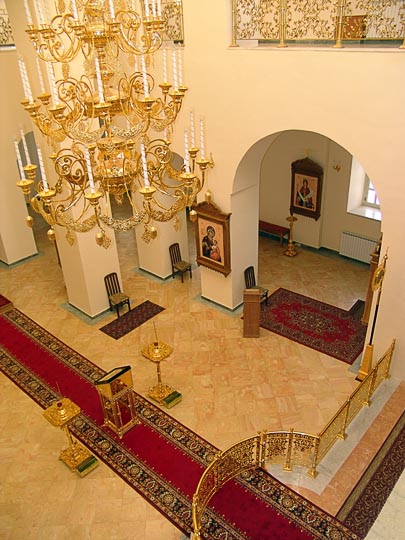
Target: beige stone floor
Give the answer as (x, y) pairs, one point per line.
(232, 387)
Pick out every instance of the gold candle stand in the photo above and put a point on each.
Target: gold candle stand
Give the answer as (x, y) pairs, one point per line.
(75, 456)
(290, 251)
(163, 394)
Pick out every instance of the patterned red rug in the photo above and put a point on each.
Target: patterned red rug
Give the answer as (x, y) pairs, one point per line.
(325, 328)
(160, 458)
(131, 320)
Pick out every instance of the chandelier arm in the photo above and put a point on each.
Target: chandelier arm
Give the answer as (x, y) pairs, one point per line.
(39, 207)
(48, 41)
(122, 224)
(77, 226)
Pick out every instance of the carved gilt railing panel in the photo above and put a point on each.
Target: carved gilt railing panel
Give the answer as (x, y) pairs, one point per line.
(318, 21)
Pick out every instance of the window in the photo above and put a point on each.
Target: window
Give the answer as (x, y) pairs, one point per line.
(370, 197)
(362, 199)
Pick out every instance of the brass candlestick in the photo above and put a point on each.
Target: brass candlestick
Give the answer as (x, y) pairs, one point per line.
(76, 457)
(290, 251)
(156, 352)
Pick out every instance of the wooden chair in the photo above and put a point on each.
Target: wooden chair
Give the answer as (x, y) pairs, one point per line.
(116, 298)
(178, 265)
(250, 282)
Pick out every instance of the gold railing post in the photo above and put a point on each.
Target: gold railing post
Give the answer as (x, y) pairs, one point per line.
(283, 8)
(287, 463)
(342, 434)
(312, 471)
(370, 390)
(390, 353)
(234, 23)
(262, 449)
(339, 24)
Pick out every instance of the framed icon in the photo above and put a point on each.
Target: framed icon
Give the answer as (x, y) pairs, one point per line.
(213, 237)
(306, 188)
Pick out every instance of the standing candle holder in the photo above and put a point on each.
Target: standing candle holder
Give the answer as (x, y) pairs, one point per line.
(76, 457)
(290, 251)
(163, 394)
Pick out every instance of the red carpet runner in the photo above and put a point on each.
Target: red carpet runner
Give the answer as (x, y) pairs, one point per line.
(162, 459)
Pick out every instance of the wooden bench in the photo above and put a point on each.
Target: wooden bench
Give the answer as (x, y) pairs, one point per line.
(276, 230)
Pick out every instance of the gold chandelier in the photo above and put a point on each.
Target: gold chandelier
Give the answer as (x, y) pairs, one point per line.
(108, 122)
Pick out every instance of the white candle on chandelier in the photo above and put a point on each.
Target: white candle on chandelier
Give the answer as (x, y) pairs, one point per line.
(28, 13)
(25, 146)
(51, 74)
(99, 81)
(23, 78)
(40, 12)
(180, 64)
(145, 80)
(153, 8)
(186, 154)
(164, 66)
(146, 4)
(159, 8)
(175, 81)
(202, 141)
(144, 166)
(112, 10)
(89, 170)
(25, 81)
(20, 165)
(47, 15)
(192, 129)
(74, 10)
(40, 78)
(42, 169)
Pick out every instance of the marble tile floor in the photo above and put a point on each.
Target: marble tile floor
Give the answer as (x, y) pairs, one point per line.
(232, 387)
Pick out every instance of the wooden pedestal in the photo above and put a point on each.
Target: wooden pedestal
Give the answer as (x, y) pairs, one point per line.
(251, 313)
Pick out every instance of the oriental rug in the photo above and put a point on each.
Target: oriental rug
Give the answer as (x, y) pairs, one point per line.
(131, 320)
(325, 328)
(160, 458)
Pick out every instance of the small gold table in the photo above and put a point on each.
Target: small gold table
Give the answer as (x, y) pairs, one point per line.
(165, 395)
(76, 457)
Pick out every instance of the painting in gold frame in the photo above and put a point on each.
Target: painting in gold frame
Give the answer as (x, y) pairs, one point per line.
(306, 188)
(212, 237)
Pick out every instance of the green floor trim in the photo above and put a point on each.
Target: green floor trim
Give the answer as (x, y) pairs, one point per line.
(83, 316)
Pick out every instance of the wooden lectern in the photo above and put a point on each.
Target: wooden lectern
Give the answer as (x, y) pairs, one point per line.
(251, 313)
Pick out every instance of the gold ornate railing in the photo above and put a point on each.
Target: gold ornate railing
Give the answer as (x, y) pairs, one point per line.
(172, 12)
(318, 21)
(6, 35)
(288, 448)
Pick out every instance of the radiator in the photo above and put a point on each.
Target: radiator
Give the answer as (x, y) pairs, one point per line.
(356, 247)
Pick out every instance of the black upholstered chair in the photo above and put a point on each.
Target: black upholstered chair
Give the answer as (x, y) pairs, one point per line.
(116, 297)
(178, 265)
(250, 282)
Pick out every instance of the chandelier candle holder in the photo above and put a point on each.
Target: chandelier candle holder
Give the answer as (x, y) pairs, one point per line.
(76, 457)
(107, 121)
